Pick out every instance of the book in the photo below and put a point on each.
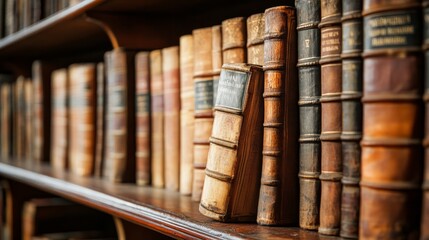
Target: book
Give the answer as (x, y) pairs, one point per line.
(279, 192)
(331, 163)
(234, 40)
(171, 94)
(28, 100)
(100, 144)
(232, 180)
(217, 59)
(6, 120)
(60, 119)
(391, 154)
(11, 20)
(424, 231)
(203, 94)
(186, 113)
(18, 118)
(351, 133)
(308, 18)
(82, 117)
(157, 119)
(255, 38)
(119, 161)
(143, 123)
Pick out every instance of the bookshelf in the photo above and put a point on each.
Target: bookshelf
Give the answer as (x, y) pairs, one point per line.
(85, 31)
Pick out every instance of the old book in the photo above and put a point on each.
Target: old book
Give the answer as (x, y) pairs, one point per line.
(234, 40)
(351, 133)
(392, 155)
(6, 120)
(36, 11)
(119, 164)
(157, 119)
(19, 119)
(28, 99)
(203, 87)
(11, 19)
(100, 144)
(217, 59)
(60, 119)
(171, 93)
(308, 17)
(279, 193)
(186, 113)
(143, 116)
(255, 38)
(83, 107)
(424, 232)
(232, 181)
(331, 165)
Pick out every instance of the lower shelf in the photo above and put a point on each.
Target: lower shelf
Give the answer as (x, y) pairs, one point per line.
(164, 211)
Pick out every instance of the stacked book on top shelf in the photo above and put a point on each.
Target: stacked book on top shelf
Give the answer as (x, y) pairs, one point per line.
(258, 118)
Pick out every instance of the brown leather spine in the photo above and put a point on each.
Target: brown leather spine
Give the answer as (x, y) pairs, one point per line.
(28, 89)
(120, 116)
(278, 197)
(143, 123)
(234, 40)
(171, 89)
(255, 38)
(157, 117)
(101, 120)
(60, 119)
(392, 123)
(83, 92)
(331, 166)
(203, 86)
(19, 111)
(6, 117)
(216, 57)
(424, 232)
(186, 113)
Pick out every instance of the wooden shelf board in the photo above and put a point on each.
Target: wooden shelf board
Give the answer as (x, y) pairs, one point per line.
(161, 210)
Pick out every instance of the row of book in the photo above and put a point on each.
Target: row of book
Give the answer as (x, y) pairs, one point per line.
(19, 14)
(252, 142)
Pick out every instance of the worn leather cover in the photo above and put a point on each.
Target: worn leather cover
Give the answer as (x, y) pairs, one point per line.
(279, 193)
(255, 38)
(101, 120)
(425, 206)
(234, 40)
(392, 123)
(308, 17)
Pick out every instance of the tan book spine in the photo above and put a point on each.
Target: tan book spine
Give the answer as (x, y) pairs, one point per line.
(60, 118)
(255, 38)
(143, 119)
(19, 120)
(278, 197)
(6, 134)
(171, 91)
(217, 60)
(28, 118)
(203, 86)
(234, 40)
(83, 90)
(186, 114)
(157, 107)
(101, 120)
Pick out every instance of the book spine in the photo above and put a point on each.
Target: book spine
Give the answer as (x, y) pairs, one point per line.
(234, 40)
(424, 232)
(308, 14)
(171, 89)
(59, 128)
(279, 165)
(331, 165)
(101, 119)
(83, 89)
(19, 128)
(186, 114)
(6, 135)
(351, 116)
(255, 38)
(392, 123)
(203, 90)
(216, 57)
(143, 123)
(157, 119)
(28, 118)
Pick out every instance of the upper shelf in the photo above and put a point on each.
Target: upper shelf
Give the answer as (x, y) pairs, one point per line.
(161, 210)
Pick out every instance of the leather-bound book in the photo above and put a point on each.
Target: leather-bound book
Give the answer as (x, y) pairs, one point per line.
(308, 15)
(217, 59)
(83, 106)
(157, 119)
(100, 142)
(392, 154)
(119, 164)
(6, 120)
(28, 95)
(351, 133)
(231, 185)
(60, 119)
(331, 165)
(186, 113)
(234, 40)
(18, 118)
(279, 193)
(255, 38)
(424, 233)
(143, 119)
(171, 90)
(203, 87)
